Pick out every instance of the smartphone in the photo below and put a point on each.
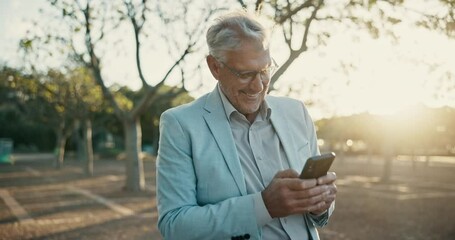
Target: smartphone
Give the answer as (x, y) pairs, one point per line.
(317, 166)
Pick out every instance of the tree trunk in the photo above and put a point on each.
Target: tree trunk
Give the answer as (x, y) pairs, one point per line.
(387, 172)
(80, 145)
(61, 142)
(369, 154)
(134, 167)
(88, 147)
(388, 154)
(155, 139)
(427, 160)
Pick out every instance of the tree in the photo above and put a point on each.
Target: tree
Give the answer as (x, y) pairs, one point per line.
(90, 27)
(59, 100)
(48, 102)
(88, 101)
(95, 22)
(70, 101)
(308, 24)
(28, 135)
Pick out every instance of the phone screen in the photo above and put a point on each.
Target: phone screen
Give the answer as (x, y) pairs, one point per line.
(317, 166)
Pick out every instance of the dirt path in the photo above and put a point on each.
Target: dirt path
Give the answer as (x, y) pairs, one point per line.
(48, 204)
(38, 202)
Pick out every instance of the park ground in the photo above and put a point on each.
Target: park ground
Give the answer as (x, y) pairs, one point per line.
(39, 202)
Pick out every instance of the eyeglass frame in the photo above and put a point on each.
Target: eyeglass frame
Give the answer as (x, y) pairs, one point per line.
(272, 68)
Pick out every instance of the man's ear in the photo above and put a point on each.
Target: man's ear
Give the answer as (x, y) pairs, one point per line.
(214, 66)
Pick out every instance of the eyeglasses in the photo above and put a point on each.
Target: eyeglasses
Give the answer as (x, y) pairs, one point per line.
(248, 76)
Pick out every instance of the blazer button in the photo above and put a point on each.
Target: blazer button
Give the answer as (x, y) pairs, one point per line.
(246, 236)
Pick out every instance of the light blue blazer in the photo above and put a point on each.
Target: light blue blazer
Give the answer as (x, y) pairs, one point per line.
(201, 190)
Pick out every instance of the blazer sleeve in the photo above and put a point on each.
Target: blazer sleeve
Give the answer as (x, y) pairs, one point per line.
(323, 219)
(179, 214)
(311, 131)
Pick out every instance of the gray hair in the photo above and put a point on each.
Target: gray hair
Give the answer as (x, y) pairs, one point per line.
(231, 30)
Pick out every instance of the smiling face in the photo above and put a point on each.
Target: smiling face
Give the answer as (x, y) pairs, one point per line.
(245, 96)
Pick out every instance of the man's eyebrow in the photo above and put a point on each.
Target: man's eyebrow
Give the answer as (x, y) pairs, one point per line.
(252, 71)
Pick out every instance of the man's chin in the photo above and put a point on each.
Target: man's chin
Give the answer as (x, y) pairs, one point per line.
(251, 110)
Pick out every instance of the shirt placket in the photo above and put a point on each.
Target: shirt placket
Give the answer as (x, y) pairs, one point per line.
(258, 153)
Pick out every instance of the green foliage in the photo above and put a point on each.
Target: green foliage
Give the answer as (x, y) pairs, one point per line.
(26, 44)
(33, 106)
(27, 135)
(52, 101)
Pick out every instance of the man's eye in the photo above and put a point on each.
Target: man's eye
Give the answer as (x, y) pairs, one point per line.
(247, 75)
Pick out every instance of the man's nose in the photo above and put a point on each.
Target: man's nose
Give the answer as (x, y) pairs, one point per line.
(257, 83)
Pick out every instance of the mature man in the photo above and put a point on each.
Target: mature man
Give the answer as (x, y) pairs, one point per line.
(227, 162)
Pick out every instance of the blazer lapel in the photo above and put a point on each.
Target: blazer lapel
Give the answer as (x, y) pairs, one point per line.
(221, 130)
(284, 132)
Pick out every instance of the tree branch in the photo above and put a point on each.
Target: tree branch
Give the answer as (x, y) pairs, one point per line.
(149, 95)
(303, 46)
(280, 19)
(258, 6)
(242, 3)
(190, 48)
(294, 54)
(137, 27)
(94, 63)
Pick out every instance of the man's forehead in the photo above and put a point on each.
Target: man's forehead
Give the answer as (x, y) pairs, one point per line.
(251, 49)
(247, 55)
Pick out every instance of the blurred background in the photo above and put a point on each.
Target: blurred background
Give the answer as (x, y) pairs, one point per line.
(83, 84)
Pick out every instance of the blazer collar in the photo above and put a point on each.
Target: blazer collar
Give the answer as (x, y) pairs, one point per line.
(284, 131)
(221, 130)
(219, 126)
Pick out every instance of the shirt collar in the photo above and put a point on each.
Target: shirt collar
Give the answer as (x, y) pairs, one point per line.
(264, 110)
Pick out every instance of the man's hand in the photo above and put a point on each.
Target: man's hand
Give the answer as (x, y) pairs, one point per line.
(329, 181)
(287, 194)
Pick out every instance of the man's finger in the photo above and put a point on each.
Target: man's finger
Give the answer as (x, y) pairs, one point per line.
(288, 173)
(298, 184)
(330, 177)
